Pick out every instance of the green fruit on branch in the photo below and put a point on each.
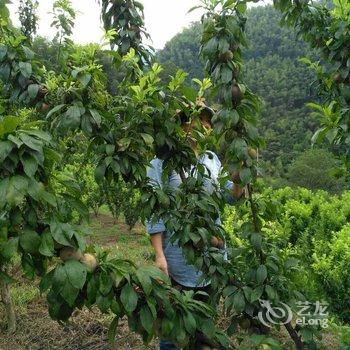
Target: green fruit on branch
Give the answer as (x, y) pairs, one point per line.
(237, 95)
(244, 323)
(69, 253)
(252, 152)
(337, 78)
(226, 56)
(89, 261)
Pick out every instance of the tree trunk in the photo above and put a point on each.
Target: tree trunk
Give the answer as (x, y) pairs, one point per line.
(294, 335)
(7, 301)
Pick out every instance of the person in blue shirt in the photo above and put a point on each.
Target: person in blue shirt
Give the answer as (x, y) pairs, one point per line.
(169, 256)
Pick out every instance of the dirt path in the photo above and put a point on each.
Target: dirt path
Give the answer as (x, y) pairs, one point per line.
(87, 330)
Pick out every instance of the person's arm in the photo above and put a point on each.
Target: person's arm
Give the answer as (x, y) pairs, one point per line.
(156, 229)
(157, 244)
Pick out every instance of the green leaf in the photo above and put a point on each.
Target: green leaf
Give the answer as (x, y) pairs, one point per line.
(241, 7)
(5, 71)
(85, 79)
(245, 175)
(148, 139)
(49, 198)
(25, 68)
(129, 298)
(6, 278)
(291, 262)
(29, 53)
(55, 110)
(96, 117)
(3, 51)
(58, 233)
(5, 149)
(145, 280)
(261, 274)
(256, 240)
(33, 90)
(71, 119)
(229, 3)
(190, 323)
(112, 331)
(30, 241)
(256, 294)
(103, 303)
(46, 282)
(106, 283)
(100, 172)
(16, 189)
(146, 319)
(9, 249)
(69, 293)
(47, 245)
(271, 293)
(76, 272)
(31, 142)
(8, 125)
(3, 190)
(30, 164)
(239, 301)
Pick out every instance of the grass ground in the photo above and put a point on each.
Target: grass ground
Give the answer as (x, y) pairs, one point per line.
(87, 330)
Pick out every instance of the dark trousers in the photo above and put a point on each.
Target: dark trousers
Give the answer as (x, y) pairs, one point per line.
(165, 345)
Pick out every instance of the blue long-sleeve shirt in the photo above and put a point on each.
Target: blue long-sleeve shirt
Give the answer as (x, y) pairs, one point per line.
(178, 268)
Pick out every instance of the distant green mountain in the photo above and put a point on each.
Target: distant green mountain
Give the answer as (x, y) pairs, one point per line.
(273, 71)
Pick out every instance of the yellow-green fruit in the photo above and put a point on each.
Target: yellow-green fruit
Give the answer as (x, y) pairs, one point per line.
(206, 347)
(69, 253)
(252, 152)
(89, 261)
(244, 323)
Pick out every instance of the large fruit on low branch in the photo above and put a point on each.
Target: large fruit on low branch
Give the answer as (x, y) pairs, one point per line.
(214, 242)
(221, 244)
(69, 253)
(237, 95)
(89, 261)
(226, 56)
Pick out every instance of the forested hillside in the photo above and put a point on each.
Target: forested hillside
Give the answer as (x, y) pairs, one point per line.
(274, 72)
